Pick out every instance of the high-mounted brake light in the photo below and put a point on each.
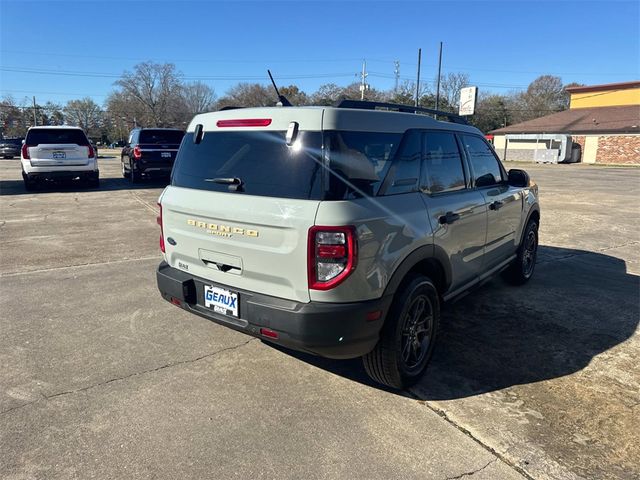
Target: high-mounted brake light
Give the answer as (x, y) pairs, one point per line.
(331, 256)
(137, 153)
(159, 220)
(25, 151)
(244, 122)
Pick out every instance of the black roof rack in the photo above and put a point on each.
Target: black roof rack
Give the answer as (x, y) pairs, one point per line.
(395, 107)
(229, 107)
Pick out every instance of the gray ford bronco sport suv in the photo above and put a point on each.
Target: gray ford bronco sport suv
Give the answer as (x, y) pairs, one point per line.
(340, 231)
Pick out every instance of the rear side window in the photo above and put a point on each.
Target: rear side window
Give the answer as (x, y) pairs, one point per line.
(443, 171)
(161, 136)
(39, 136)
(484, 163)
(260, 159)
(358, 162)
(404, 173)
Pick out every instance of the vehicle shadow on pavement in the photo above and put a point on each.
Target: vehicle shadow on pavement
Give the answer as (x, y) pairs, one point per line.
(16, 187)
(578, 305)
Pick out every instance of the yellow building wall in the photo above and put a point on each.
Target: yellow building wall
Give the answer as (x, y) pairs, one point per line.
(629, 96)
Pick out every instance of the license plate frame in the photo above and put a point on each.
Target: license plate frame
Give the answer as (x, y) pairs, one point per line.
(222, 301)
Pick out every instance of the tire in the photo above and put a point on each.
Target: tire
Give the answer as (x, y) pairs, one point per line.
(125, 174)
(134, 176)
(522, 268)
(94, 182)
(29, 183)
(408, 336)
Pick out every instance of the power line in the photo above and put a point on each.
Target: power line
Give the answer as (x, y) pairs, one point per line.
(71, 73)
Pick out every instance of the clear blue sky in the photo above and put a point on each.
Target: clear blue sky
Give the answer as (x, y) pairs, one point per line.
(502, 45)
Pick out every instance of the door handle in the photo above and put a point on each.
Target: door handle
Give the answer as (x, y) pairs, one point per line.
(448, 218)
(496, 205)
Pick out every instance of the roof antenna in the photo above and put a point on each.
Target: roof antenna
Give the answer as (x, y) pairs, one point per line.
(281, 98)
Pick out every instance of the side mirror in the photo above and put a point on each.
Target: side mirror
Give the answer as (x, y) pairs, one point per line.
(518, 178)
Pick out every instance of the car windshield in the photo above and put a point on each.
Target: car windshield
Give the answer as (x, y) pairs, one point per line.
(37, 136)
(161, 136)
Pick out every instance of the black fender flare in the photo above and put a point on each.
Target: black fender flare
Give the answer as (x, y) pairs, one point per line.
(431, 253)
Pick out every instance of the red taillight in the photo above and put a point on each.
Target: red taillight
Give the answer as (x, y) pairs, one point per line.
(244, 122)
(25, 151)
(91, 152)
(267, 332)
(331, 256)
(137, 153)
(159, 220)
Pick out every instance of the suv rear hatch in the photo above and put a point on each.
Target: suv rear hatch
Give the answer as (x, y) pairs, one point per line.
(158, 147)
(58, 147)
(241, 201)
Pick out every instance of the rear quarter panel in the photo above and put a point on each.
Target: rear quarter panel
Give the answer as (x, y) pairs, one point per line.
(388, 230)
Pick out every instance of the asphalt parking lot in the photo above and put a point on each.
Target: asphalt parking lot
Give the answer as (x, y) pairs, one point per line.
(100, 378)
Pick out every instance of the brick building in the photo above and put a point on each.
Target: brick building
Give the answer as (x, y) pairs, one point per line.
(602, 125)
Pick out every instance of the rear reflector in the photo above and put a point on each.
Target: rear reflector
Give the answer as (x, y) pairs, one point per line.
(375, 315)
(175, 301)
(159, 221)
(267, 332)
(244, 122)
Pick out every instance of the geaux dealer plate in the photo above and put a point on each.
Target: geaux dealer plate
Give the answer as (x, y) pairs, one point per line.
(221, 300)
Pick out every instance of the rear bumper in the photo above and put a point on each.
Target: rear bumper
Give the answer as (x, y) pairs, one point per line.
(43, 175)
(333, 330)
(150, 167)
(51, 171)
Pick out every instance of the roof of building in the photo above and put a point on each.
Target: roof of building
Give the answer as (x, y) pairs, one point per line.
(604, 87)
(618, 119)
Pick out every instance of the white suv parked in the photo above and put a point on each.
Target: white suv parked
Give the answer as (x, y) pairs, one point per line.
(58, 152)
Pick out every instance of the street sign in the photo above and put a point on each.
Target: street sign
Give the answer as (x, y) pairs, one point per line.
(468, 97)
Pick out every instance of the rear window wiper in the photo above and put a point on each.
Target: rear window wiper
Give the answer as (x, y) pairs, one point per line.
(235, 183)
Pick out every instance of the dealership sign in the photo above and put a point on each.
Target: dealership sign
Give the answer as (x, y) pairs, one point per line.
(468, 97)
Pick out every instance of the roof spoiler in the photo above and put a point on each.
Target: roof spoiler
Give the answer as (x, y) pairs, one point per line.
(395, 107)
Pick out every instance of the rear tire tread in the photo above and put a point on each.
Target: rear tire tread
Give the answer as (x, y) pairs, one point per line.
(381, 364)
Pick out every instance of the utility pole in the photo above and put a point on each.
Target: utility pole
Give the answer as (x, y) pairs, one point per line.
(396, 72)
(363, 79)
(439, 70)
(35, 118)
(418, 79)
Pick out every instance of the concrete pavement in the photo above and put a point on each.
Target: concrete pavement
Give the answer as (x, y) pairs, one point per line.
(100, 378)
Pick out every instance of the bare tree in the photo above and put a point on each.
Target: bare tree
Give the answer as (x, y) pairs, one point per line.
(545, 95)
(84, 113)
(157, 89)
(198, 97)
(294, 95)
(450, 86)
(248, 95)
(12, 118)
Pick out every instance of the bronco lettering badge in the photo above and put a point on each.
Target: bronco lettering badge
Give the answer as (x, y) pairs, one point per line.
(222, 230)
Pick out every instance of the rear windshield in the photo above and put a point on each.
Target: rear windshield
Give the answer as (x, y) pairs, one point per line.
(39, 136)
(262, 161)
(12, 141)
(342, 165)
(161, 136)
